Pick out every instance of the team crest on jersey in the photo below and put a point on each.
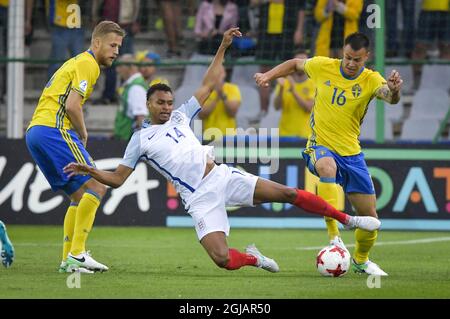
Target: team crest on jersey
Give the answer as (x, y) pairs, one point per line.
(176, 118)
(83, 85)
(356, 90)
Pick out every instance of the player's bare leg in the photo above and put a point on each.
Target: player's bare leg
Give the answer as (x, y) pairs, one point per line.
(365, 205)
(268, 191)
(216, 246)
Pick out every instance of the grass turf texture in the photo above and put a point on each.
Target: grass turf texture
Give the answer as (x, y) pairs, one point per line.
(170, 263)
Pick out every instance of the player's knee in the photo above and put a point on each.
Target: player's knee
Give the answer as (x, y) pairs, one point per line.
(220, 257)
(99, 189)
(326, 170)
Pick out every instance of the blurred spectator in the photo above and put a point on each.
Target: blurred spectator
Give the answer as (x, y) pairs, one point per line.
(434, 24)
(220, 109)
(294, 95)
(149, 71)
(280, 27)
(132, 93)
(67, 35)
(248, 23)
(3, 25)
(408, 15)
(243, 13)
(191, 11)
(171, 12)
(338, 19)
(29, 5)
(125, 13)
(213, 18)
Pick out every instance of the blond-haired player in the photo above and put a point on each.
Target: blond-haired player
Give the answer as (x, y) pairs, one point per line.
(57, 135)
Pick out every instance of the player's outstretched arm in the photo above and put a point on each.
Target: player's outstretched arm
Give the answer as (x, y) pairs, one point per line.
(281, 70)
(390, 92)
(114, 179)
(75, 115)
(214, 68)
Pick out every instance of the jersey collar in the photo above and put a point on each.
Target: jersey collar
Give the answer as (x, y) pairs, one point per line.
(91, 53)
(146, 123)
(349, 77)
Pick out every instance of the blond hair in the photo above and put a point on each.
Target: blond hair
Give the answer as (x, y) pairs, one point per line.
(105, 27)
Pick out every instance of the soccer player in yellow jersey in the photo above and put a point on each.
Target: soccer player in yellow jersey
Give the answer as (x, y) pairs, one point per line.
(57, 135)
(344, 90)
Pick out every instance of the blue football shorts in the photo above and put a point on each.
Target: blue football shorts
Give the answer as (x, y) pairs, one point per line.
(352, 173)
(52, 149)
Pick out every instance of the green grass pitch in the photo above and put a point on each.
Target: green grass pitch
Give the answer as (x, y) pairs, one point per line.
(170, 263)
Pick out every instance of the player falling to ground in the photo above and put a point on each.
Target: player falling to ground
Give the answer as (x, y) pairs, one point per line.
(167, 143)
(57, 135)
(344, 90)
(7, 248)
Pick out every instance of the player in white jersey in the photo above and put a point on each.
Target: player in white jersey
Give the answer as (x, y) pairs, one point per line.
(167, 143)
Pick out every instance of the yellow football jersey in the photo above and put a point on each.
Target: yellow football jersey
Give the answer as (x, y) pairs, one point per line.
(436, 5)
(58, 11)
(79, 74)
(294, 119)
(275, 18)
(340, 104)
(219, 117)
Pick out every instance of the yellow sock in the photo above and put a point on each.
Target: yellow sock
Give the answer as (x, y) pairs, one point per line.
(69, 225)
(364, 242)
(83, 222)
(328, 190)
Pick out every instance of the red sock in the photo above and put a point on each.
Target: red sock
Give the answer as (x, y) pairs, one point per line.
(316, 205)
(238, 259)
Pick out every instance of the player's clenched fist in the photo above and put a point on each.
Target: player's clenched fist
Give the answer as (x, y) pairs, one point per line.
(394, 81)
(261, 79)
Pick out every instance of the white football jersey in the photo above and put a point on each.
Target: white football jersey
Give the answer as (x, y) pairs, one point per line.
(172, 149)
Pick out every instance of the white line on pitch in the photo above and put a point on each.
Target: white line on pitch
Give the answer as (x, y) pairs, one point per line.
(381, 243)
(400, 242)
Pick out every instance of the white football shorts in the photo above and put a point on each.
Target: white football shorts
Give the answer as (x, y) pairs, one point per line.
(224, 186)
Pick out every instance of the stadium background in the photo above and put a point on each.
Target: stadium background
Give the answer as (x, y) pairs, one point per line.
(406, 147)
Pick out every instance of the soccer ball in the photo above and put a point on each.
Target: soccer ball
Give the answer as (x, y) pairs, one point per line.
(333, 261)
